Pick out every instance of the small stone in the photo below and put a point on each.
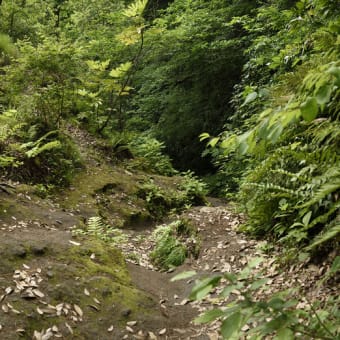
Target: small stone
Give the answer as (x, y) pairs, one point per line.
(50, 274)
(126, 312)
(38, 249)
(106, 292)
(19, 251)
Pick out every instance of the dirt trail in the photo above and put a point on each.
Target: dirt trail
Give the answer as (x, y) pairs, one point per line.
(54, 285)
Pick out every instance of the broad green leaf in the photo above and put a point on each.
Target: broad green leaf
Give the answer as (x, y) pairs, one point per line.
(324, 94)
(201, 286)
(227, 290)
(213, 142)
(204, 136)
(290, 117)
(335, 265)
(335, 71)
(275, 132)
(257, 284)
(202, 293)
(309, 109)
(183, 275)
(307, 218)
(251, 97)
(255, 262)
(262, 130)
(231, 277)
(209, 316)
(275, 324)
(243, 148)
(229, 142)
(284, 334)
(276, 303)
(231, 325)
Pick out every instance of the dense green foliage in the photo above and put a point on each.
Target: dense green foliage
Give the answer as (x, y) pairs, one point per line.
(277, 316)
(281, 146)
(149, 77)
(265, 75)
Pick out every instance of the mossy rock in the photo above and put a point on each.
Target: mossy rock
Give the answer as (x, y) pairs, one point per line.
(92, 276)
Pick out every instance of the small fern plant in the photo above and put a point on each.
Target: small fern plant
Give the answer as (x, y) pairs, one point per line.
(97, 228)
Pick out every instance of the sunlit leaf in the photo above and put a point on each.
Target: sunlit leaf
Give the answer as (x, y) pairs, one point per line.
(284, 334)
(209, 316)
(250, 98)
(183, 275)
(323, 95)
(231, 325)
(309, 109)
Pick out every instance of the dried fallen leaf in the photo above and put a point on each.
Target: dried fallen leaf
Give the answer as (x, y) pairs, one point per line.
(55, 329)
(110, 329)
(25, 266)
(69, 328)
(38, 293)
(94, 307)
(15, 311)
(96, 301)
(37, 335)
(184, 302)
(78, 310)
(86, 292)
(40, 311)
(129, 329)
(213, 336)
(152, 336)
(0, 327)
(74, 243)
(5, 308)
(8, 290)
(132, 323)
(162, 331)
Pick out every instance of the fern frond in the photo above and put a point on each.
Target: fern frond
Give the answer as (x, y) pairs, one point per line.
(332, 233)
(322, 192)
(39, 149)
(324, 218)
(95, 223)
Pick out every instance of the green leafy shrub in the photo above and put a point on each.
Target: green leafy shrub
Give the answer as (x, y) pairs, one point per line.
(276, 316)
(174, 243)
(193, 189)
(149, 155)
(158, 201)
(284, 136)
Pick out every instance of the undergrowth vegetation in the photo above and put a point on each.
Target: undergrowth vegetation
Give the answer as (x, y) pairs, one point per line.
(174, 243)
(281, 147)
(190, 191)
(97, 228)
(279, 316)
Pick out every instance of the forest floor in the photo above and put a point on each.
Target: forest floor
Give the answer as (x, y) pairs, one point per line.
(57, 285)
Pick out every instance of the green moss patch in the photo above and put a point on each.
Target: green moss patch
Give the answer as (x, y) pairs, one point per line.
(92, 275)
